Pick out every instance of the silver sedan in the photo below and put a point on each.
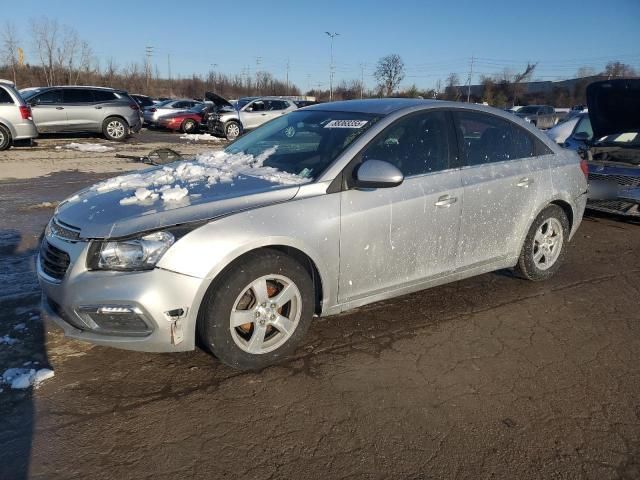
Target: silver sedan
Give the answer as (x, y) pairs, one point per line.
(319, 211)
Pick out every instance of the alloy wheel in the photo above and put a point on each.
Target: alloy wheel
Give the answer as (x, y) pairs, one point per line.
(115, 129)
(265, 314)
(547, 243)
(233, 131)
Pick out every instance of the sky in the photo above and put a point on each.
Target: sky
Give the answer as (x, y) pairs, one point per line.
(433, 38)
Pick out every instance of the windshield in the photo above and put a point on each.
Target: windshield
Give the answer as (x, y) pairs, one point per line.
(242, 102)
(27, 93)
(531, 109)
(305, 142)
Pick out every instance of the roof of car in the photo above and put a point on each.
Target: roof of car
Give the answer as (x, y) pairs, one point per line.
(378, 106)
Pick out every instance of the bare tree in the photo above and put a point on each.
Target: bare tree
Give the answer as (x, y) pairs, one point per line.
(619, 70)
(585, 72)
(45, 37)
(452, 92)
(389, 73)
(10, 48)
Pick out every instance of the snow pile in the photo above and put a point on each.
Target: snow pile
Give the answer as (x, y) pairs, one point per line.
(19, 378)
(200, 137)
(87, 147)
(171, 181)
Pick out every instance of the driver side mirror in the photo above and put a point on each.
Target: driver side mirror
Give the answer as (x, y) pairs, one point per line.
(581, 136)
(377, 174)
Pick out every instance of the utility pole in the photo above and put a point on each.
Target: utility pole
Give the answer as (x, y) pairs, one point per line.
(469, 80)
(169, 71)
(258, 61)
(287, 76)
(362, 67)
(148, 51)
(331, 67)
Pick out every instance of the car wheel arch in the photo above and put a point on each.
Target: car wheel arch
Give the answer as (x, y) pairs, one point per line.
(302, 257)
(318, 274)
(566, 207)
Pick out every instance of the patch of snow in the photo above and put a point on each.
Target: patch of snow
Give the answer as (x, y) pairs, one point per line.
(210, 167)
(174, 194)
(20, 378)
(87, 147)
(200, 137)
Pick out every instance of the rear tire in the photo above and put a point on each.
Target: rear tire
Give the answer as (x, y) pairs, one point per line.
(545, 245)
(189, 126)
(5, 138)
(243, 319)
(115, 129)
(232, 130)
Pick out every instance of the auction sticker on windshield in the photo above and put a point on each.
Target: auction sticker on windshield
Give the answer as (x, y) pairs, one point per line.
(346, 124)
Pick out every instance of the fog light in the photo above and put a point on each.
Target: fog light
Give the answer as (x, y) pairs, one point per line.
(115, 319)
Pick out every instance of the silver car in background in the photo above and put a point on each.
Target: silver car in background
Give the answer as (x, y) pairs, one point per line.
(319, 211)
(248, 113)
(71, 109)
(16, 121)
(152, 114)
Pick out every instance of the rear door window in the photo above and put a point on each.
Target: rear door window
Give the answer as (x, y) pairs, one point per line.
(5, 97)
(103, 96)
(486, 138)
(77, 95)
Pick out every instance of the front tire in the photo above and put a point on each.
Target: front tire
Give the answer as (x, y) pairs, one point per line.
(5, 138)
(544, 247)
(257, 312)
(189, 126)
(232, 130)
(115, 129)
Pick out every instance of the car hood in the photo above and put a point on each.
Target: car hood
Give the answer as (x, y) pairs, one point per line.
(614, 106)
(217, 100)
(102, 214)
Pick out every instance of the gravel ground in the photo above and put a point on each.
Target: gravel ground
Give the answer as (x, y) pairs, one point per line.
(491, 377)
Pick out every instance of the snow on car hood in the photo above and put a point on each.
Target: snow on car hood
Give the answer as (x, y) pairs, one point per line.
(614, 106)
(211, 185)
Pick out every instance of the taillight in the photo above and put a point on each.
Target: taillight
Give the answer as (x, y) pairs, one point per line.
(134, 106)
(584, 166)
(25, 112)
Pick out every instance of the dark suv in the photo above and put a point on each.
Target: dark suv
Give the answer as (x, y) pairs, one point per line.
(84, 109)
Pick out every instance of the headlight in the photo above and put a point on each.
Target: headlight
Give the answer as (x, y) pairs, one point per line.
(527, 119)
(136, 254)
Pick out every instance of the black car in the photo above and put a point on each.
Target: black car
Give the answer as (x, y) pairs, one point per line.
(142, 100)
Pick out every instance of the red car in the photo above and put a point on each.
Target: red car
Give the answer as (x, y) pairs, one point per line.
(187, 121)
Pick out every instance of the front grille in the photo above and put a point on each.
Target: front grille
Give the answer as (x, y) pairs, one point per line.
(53, 261)
(63, 231)
(623, 180)
(614, 206)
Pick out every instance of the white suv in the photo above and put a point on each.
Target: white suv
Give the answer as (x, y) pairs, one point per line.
(16, 122)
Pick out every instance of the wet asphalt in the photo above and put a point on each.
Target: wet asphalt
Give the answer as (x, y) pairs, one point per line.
(490, 377)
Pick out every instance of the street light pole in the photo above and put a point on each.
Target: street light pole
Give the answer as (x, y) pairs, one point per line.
(332, 36)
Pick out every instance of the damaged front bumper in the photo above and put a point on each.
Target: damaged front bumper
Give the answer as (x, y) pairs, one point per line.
(151, 311)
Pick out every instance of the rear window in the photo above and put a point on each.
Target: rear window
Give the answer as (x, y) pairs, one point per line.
(103, 96)
(5, 97)
(77, 95)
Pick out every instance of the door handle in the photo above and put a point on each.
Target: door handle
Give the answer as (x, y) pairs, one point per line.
(445, 201)
(97, 108)
(524, 182)
(59, 108)
(263, 114)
